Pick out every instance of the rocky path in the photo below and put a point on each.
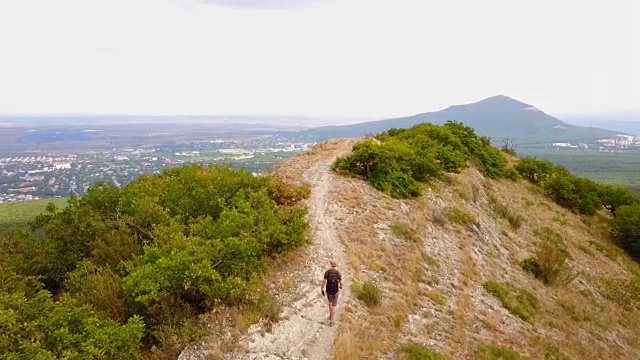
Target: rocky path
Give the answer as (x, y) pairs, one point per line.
(303, 332)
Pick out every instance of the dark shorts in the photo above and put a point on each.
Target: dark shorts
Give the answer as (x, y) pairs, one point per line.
(333, 299)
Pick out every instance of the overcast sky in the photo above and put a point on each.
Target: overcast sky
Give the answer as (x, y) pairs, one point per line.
(316, 57)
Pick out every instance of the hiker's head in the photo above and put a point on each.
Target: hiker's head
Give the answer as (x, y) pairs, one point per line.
(333, 263)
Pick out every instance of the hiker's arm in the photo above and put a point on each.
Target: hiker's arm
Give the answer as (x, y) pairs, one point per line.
(324, 281)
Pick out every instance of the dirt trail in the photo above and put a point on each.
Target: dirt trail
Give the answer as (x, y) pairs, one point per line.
(303, 332)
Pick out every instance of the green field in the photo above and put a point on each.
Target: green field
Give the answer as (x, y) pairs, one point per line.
(26, 210)
(608, 168)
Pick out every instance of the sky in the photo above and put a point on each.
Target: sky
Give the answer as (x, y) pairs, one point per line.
(343, 58)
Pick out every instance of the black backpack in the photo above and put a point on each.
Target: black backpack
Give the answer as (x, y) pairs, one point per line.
(332, 281)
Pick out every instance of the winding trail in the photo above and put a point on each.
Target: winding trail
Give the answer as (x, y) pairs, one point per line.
(303, 332)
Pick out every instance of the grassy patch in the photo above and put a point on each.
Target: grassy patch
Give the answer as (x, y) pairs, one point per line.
(435, 297)
(547, 233)
(430, 260)
(404, 231)
(367, 292)
(503, 211)
(624, 292)
(550, 261)
(462, 194)
(377, 267)
(494, 352)
(287, 283)
(475, 192)
(398, 319)
(415, 351)
(549, 350)
(346, 346)
(439, 218)
(461, 217)
(576, 312)
(519, 302)
(27, 210)
(265, 308)
(608, 251)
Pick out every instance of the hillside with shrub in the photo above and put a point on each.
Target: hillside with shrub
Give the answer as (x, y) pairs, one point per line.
(487, 256)
(399, 160)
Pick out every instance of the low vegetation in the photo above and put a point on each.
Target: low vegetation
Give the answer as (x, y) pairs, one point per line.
(22, 211)
(416, 351)
(550, 264)
(367, 292)
(504, 212)
(125, 272)
(404, 231)
(519, 302)
(494, 352)
(584, 196)
(460, 217)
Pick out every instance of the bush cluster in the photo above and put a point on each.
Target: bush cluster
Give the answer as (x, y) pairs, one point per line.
(583, 196)
(131, 265)
(398, 159)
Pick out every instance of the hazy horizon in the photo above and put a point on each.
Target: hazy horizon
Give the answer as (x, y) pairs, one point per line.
(320, 58)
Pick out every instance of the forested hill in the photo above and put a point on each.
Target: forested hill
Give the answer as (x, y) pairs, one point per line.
(498, 117)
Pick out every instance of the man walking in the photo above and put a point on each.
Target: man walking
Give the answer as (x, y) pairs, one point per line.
(333, 281)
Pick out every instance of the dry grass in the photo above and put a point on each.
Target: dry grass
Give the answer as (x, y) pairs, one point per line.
(461, 217)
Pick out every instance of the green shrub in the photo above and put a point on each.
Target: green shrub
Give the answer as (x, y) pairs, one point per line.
(368, 293)
(579, 195)
(511, 173)
(494, 352)
(519, 302)
(625, 227)
(404, 157)
(416, 351)
(39, 328)
(492, 160)
(396, 184)
(99, 287)
(550, 261)
(534, 170)
(613, 197)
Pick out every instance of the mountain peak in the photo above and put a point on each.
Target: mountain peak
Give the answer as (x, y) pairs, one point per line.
(501, 100)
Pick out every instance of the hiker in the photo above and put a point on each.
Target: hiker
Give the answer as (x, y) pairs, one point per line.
(333, 280)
